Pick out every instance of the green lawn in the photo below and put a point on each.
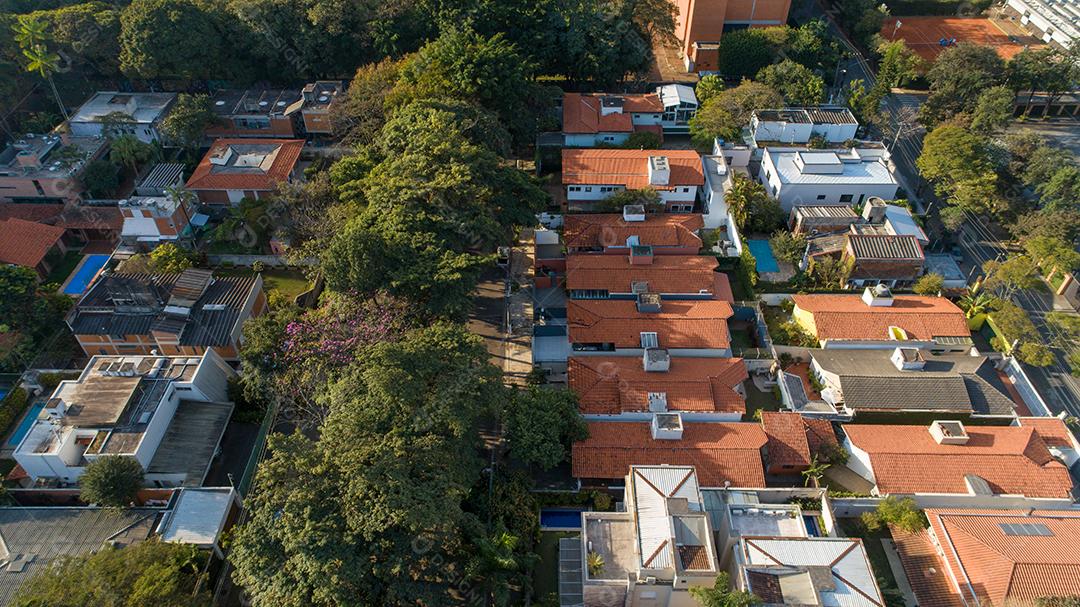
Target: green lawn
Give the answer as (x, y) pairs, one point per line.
(758, 400)
(546, 571)
(64, 267)
(289, 283)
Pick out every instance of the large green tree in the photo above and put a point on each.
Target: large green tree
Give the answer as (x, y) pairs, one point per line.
(795, 82)
(180, 39)
(956, 160)
(958, 76)
(725, 114)
(541, 426)
(399, 440)
(112, 480)
(188, 120)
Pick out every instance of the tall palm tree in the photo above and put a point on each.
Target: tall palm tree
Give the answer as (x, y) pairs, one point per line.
(31, 34)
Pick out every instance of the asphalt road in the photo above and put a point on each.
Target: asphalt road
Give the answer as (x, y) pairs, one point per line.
(1058, 387)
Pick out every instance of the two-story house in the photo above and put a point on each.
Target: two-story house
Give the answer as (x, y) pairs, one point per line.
(592, 175)
(138, 114)
(235, 169)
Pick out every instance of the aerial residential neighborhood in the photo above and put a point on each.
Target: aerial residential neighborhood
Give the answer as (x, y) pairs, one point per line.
(605, 303)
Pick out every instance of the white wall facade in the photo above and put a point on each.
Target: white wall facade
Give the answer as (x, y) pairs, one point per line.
(1035, 15)
(859, 461)
(794, 194)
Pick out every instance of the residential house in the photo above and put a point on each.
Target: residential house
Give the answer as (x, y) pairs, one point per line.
(825, 177)
(720, 167)
(315, 104)
(46, 168)
(591, 119)
(982, 463)
(138, 114)
(879, 319)
(724, 453)
(1062, 443)
(806, 571)
(153, 220)
(812, 220)
(168, 413)
(878, 217)
(33, 538)
(905, 380)
(591, 175)
(615, 234)
(81, 224)
(628, 327)
(795, 441)
(979, 558)
(31, 245)
(255, 113)
(738, 513)
(623, 388)
(831, 125)
(235, 169)
(672, 276)
(652, 553)
(171, 314)
(879, 259)
(699, 26)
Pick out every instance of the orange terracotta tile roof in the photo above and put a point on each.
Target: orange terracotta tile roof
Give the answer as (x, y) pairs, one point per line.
(678, 325)
(26, 243)
(611, 230)
(210, 177)
(721, 452)
(924, 570)
(848, 317)
(1053, 430)
(1010, 569)
(581, 112)
(609, 385)
(629, 168)
(90, 218)
(787, 439)
(666, 274)
(1012, 460)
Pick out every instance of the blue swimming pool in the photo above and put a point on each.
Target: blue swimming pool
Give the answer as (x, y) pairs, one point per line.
(766, 261)
(560, 518)
(24, 425)
(812, 525)
(85, 273)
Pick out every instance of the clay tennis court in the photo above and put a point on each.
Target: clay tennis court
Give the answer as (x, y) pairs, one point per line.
(923, 34)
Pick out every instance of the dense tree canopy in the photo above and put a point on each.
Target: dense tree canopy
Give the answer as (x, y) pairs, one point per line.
(180, 39)
(725, 114)
(112, 480)
(958, 76)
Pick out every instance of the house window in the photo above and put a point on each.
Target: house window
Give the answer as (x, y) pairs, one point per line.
(685, 190)
(821, 197)
(575, 188)
(588, 188)
(768, 175)
(846, 197)
(649, 340)
(775, 191)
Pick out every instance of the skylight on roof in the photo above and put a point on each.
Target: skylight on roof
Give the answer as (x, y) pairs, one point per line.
(1025, 529)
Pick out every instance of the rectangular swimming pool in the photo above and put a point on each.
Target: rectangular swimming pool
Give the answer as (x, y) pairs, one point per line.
(560, 518)
(85, 273)
(24, 425)
(766, 261)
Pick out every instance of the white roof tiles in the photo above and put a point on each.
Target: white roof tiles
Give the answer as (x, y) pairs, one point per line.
(865, 171)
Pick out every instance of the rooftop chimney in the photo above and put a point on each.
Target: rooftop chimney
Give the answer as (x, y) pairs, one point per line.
(656, 360)
(648, 303)
(877, 296)
(908, 359)
(659, 170)
(949, 432)
(874, 210)
(633, 212)
(667, 426)
(641, 255)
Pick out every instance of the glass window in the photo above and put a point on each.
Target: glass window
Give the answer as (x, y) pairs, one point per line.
(846, 197)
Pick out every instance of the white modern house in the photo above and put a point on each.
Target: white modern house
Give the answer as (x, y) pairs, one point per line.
(794, 126)
(591, 175)
(1055, 21)
(825, 177)
(166, 412)
(138, 114)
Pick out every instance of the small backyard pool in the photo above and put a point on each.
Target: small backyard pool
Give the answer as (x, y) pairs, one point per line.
(87, 270)
(560, 518)
(24, 425)
(766, 261)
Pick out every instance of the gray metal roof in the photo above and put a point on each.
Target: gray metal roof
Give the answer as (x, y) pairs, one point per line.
(191, 440)
(164, 175)
(949, 382)
(31, 538)
(885, 246)
(131, 304)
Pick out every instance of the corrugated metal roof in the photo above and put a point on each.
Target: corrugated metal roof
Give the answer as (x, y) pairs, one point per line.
(885, 246)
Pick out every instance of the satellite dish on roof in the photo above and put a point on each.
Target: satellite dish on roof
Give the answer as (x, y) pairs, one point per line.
(219, 102)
